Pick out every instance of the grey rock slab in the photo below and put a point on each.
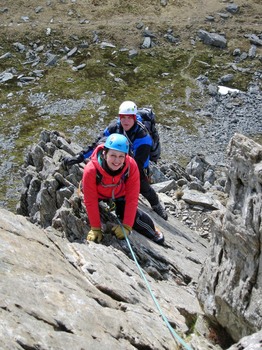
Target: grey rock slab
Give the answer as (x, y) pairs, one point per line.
(79, 67)
(232, 8)
(132, 53)
(198, 198)
(164, 186)
(105, 44)
(38, 9)
(65, 295)
(251, 342)
(255, 40)
(6, 55)
(212, 39)
(72, 52)
(51, 60)
(6, 76)
(3, 9)
(146, 43)
(185, 251)
(230, 283)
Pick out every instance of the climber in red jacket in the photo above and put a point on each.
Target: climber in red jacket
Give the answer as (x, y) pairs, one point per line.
(112, 175)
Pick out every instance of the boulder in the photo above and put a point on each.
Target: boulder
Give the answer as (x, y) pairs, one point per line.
(230, 284)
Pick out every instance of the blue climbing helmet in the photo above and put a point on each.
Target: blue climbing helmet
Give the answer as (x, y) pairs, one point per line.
(117, 142)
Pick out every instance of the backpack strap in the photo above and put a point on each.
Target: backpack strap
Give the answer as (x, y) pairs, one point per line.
(98, 177)
(124, 176)
(142, 126)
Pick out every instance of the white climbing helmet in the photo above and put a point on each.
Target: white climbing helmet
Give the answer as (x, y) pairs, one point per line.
(127, 108)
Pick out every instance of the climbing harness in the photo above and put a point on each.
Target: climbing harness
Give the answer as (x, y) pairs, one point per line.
(174, 334)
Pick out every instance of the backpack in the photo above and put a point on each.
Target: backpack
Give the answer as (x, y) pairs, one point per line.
(148, 119)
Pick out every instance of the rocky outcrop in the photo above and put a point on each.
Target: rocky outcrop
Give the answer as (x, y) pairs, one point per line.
(60, 295)
(51, 198)
(110, 287)
(252, 342)
(212, 39)
(97, 295)
(230, 284)
(57, 294)
(51, 193)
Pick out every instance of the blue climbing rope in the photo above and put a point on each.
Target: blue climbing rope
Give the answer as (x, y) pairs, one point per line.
(174, 334)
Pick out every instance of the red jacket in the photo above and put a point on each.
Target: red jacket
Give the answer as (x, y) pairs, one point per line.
(94, 192)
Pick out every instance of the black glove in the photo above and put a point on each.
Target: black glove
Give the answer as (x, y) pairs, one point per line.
(69, 161)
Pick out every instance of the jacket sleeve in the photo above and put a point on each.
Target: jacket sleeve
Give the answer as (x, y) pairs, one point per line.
(142, 158)
(132, 193)
(88, 151)
(142, 147)
(110, 129)
(91, 195)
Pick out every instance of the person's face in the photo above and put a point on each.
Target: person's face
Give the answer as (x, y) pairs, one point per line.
(115, 159)
(127, 121)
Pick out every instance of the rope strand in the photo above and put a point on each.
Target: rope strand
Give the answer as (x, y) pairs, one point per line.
(174, 334)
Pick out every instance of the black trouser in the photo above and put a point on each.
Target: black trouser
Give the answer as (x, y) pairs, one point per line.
(143, 222)
(148, 192)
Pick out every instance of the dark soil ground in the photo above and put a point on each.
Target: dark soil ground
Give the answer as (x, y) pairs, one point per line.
(171, 73)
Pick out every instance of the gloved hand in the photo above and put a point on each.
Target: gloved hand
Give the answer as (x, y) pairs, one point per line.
(69, 161)
(118, 231)
(95, 234)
